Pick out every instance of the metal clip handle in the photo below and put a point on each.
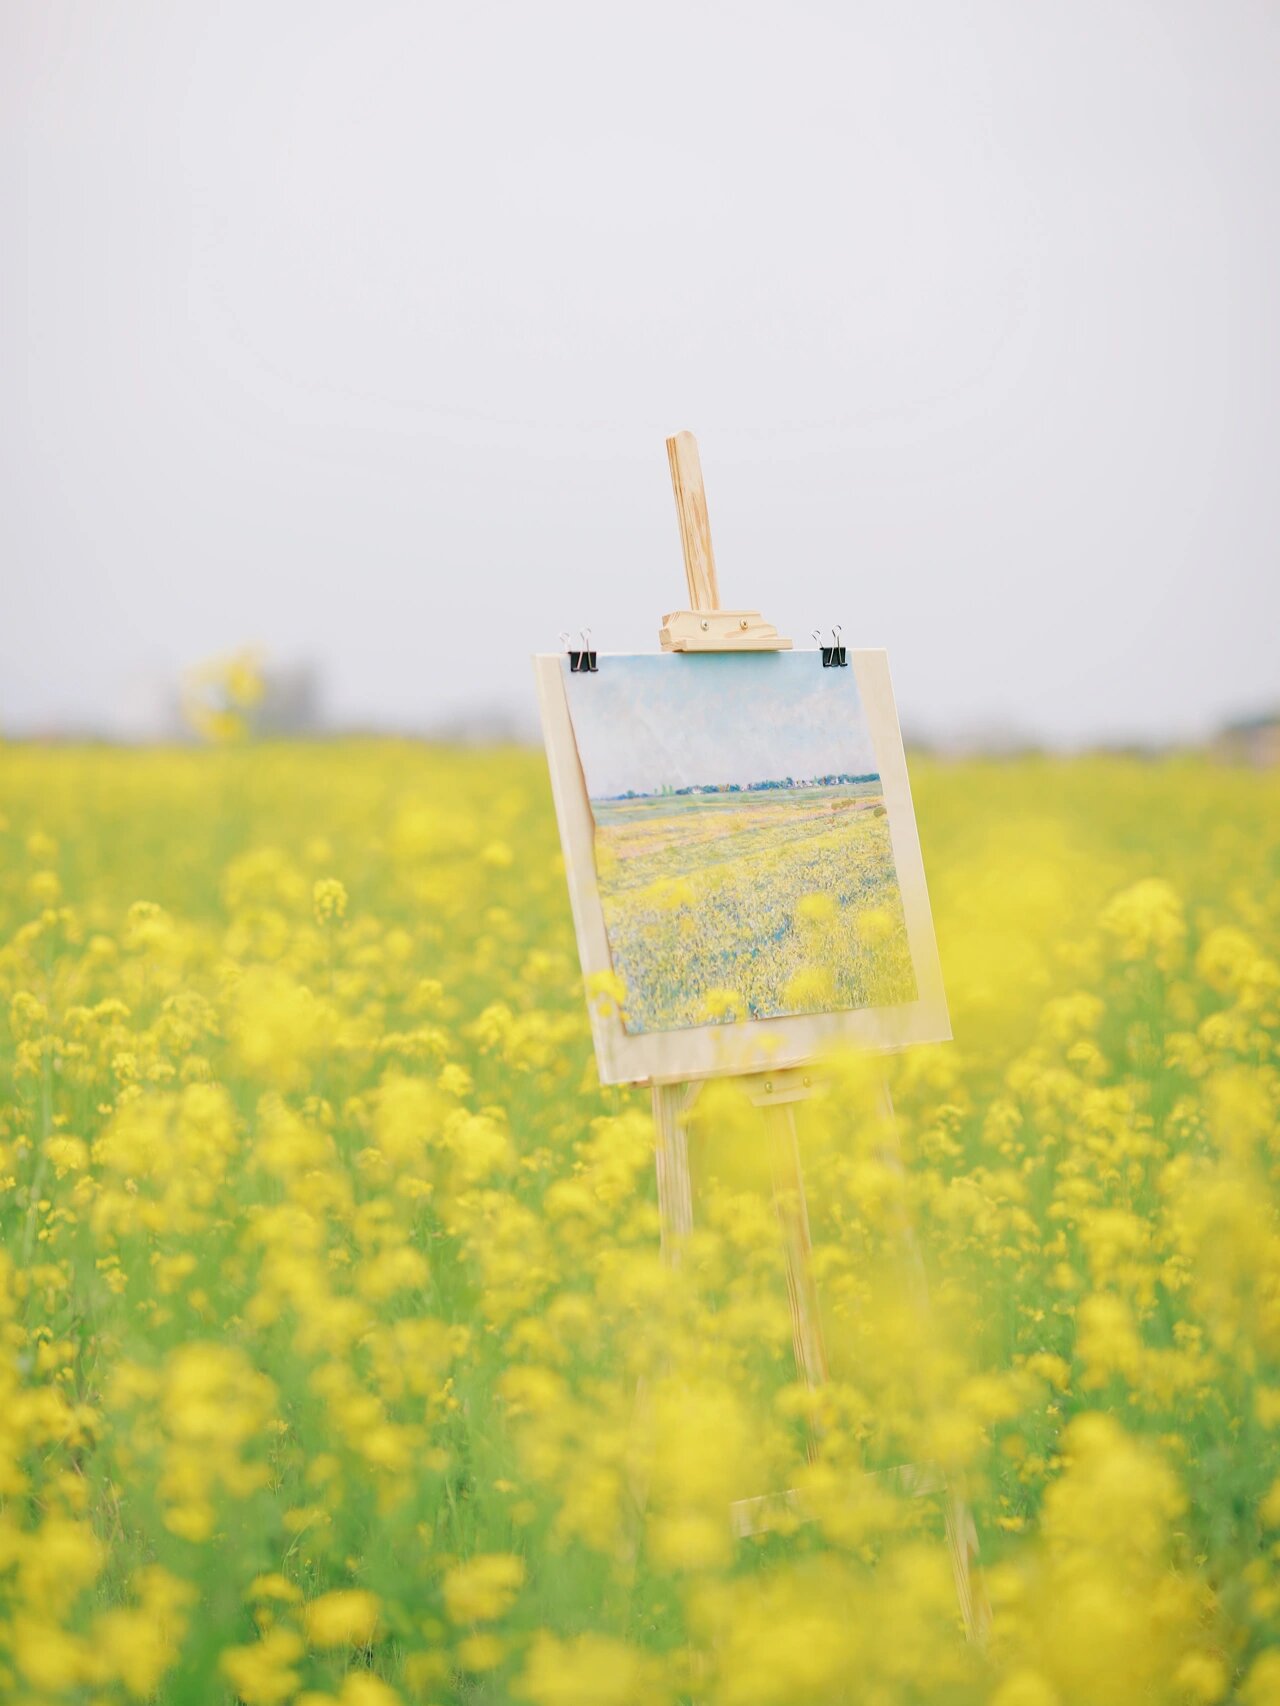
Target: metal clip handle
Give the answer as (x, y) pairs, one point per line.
(582, 659)
(836, 655)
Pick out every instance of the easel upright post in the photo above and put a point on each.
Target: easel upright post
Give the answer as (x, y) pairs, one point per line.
(695, 525)
(705, 626)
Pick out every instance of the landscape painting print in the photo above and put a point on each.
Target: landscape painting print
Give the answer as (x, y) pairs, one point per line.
(742, 846)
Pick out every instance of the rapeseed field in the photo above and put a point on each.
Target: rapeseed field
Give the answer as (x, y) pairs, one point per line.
(338, 1358)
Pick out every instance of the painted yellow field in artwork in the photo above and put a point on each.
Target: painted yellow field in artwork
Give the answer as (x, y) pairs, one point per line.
(751, 904)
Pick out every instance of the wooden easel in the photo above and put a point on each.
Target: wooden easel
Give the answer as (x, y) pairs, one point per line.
(705, 627)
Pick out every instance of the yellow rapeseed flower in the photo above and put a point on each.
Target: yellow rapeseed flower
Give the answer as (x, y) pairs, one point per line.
(345, 1617)
(483, 1588)
(329, 900)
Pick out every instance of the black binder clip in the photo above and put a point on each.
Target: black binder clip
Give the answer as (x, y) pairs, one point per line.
(834, 656)
(582, 660)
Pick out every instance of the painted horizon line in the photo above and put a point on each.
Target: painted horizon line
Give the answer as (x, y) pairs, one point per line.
(836, 780)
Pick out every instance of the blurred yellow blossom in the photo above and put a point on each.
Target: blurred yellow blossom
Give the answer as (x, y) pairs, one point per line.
(341, 1359)
(329, 899)
(345, 1617)
(482, 1588)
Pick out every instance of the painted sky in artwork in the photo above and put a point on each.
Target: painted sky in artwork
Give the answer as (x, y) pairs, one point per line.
(648, 722)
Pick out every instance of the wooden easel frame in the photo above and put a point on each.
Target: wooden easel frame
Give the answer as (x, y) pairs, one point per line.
(771, 1059)
(755, 1045)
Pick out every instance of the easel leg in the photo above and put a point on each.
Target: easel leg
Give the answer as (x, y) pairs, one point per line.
(962, 1543)
(675, 1203)
(793, 1217)
(675, 1211)
(675, 1188)
(962, 1533)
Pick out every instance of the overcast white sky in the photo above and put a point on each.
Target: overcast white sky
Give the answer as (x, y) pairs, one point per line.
(354, 330)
